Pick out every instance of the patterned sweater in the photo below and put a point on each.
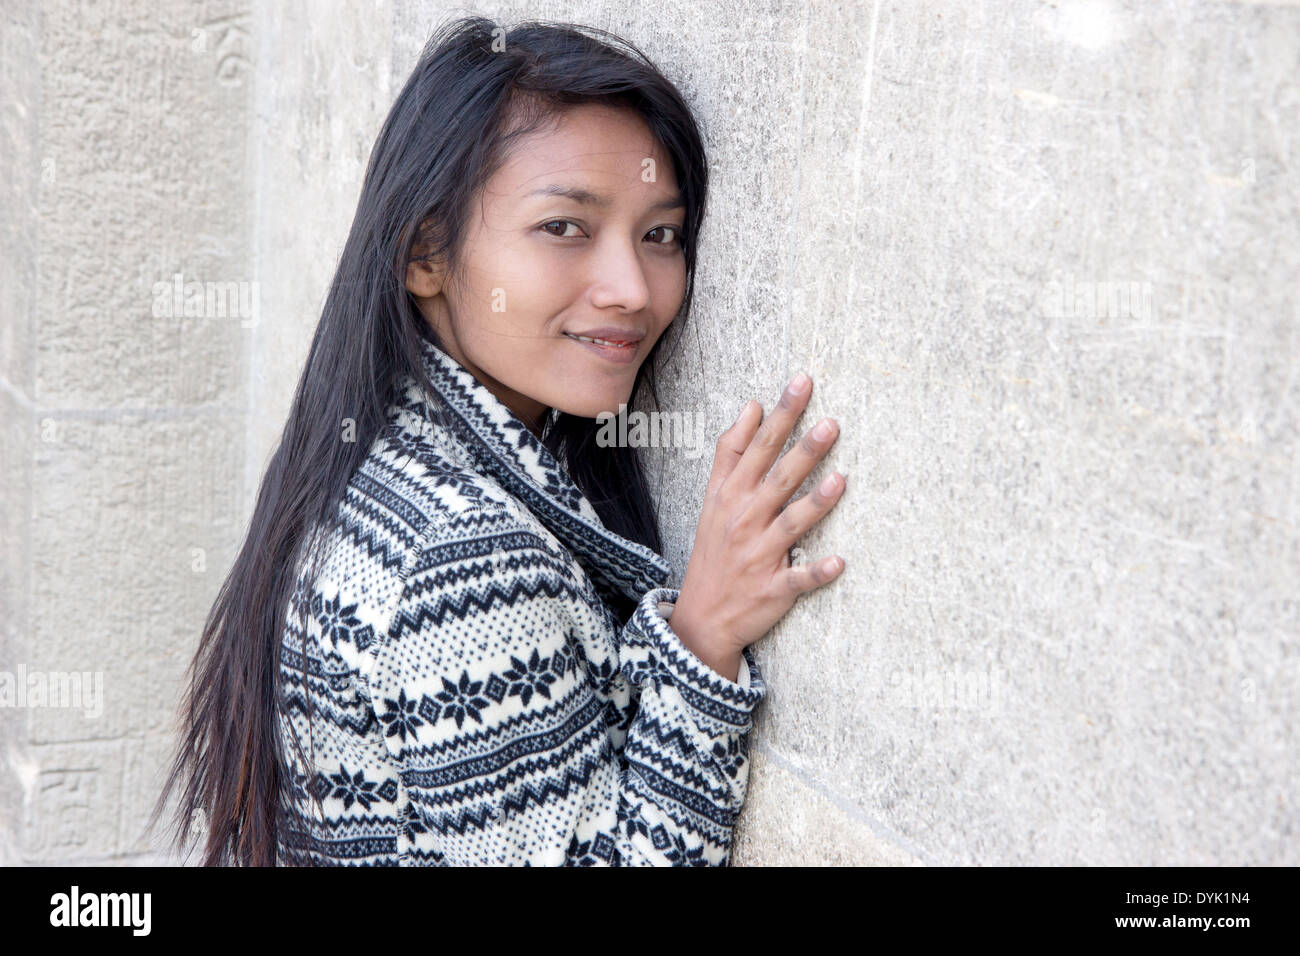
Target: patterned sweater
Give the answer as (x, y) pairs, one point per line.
(475, 700)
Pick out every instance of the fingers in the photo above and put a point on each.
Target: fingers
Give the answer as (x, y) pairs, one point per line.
(731, 446)
(793, 523)
(789, 473)
(807, 577)
(771, 437)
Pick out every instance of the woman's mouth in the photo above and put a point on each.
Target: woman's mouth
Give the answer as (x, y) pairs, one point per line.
(613, 350)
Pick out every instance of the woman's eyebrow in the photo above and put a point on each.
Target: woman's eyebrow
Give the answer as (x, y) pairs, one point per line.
(593, 199)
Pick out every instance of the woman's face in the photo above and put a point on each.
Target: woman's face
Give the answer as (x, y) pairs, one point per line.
(577, 234)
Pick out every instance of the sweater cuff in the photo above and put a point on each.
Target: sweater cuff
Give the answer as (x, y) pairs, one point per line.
(742, 678)
(652, 649)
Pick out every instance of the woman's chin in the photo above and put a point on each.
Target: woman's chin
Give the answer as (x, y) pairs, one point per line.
(594, 409)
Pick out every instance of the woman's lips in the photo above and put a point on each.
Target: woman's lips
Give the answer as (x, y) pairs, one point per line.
(619, 354)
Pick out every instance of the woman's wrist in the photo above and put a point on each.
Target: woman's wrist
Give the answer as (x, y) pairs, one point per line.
(728, 667)
(695, 639)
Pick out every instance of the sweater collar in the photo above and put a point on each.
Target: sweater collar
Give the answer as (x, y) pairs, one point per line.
(502, 445)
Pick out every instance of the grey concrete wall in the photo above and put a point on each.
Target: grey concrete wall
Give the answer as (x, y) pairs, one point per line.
(1039, 258)
(125, 161)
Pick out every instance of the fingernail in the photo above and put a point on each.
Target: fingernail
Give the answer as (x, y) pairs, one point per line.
(832, 564)
(800, 384)
(829, 484)
(823, 430)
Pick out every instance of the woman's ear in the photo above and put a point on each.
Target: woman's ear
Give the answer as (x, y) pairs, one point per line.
(423, 278)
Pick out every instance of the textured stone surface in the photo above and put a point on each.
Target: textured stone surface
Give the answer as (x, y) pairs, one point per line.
(20, 175)
(125, 426)
(1039, 258)
(792, 818)
(1067, 628)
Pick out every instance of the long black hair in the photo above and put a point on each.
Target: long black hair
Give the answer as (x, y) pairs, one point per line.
(476, 90)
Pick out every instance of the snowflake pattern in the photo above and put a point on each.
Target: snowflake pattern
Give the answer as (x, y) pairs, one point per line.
(336, 622)
(680, 853)
(460, 700)
(351, 788)
(534, 677)
(400, 718)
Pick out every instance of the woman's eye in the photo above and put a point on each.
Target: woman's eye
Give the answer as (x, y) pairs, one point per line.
(677, 234)
(562, 223)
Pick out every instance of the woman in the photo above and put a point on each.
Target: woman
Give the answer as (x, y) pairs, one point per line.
(434, 586)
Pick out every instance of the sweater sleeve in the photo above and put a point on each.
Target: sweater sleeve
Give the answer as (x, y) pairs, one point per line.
(527, 730)
(676, 691)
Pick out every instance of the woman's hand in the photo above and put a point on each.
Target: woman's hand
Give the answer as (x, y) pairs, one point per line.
(739, 581)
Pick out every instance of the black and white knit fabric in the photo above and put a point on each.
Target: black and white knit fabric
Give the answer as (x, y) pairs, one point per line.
(475, 700)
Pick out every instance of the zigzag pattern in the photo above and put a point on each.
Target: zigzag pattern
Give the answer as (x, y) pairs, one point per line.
(439, 606)
(572, 765)
(295, 703)
(471, 695)
(373, 535)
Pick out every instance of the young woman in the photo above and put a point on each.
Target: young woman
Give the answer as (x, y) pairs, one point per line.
(449, 591)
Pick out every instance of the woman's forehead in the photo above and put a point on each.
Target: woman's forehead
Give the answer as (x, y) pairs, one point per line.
(594, 150)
